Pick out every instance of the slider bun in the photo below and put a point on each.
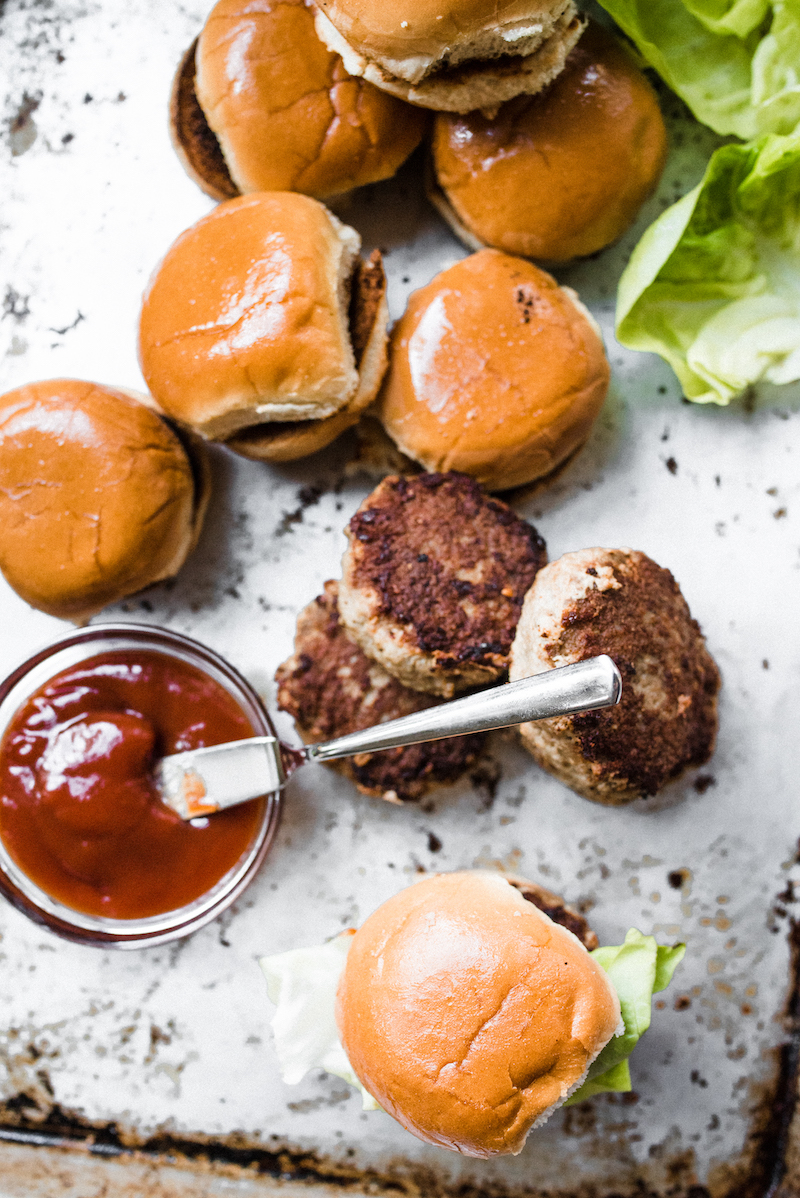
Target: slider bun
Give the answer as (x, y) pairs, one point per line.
(468, 1014)
(472, 55)
(247, 322)
(280, 110)
(559, 175)
(99, 497)
(495, 371)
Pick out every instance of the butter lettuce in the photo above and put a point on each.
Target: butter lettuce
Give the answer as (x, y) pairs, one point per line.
(734, 62)
(302, 984)
(714, 284)
(638, 969)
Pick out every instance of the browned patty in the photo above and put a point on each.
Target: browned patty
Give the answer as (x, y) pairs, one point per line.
(620, 602)
(194, 140)
(556, 909)
(330, 688)
(434, 579)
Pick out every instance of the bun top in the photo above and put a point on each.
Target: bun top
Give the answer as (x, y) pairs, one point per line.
(246, 318)
(285, 111)
(495, 371)
(468, 1014)
(97, 496)
(561, 174)
(399, 32)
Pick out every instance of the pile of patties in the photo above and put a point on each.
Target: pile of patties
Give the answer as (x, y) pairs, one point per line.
(445, 589)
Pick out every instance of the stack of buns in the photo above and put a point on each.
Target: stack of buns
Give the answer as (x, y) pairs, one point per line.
(547, 138)
(451, 57)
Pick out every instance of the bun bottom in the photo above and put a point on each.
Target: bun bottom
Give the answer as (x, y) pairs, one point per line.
(194, 141)
(286, 442)
(484, 84)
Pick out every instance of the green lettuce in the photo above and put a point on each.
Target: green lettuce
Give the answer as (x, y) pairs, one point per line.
(638, 969)
(734, 62)
(714, 284)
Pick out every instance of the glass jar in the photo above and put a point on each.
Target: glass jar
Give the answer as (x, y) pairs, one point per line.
(65, 654)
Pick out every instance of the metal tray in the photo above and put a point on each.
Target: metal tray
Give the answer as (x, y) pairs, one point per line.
(139, 1060)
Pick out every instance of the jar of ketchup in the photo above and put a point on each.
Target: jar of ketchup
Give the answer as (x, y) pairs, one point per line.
(86, 846)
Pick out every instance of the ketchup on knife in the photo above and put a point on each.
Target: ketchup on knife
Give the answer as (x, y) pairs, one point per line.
(79, 813)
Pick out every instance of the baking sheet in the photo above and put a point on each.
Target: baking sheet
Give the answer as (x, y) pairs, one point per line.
(172, 1045)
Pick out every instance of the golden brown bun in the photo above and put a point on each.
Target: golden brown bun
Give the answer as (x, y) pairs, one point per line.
(494, 370)
(282, 111)
(468, 1014)
(193, 141)
(559, 175)
(368, 319)
(476, 56)
(98, 496)
(246, 320)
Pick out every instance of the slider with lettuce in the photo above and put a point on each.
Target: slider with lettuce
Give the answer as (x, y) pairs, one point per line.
(470, 1007)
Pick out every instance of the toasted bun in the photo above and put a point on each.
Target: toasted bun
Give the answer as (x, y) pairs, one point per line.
(495, 371)
(468, 1014)
(470, 56)
(559, 175)
(98, 496)
(281, 110)
(246, 320)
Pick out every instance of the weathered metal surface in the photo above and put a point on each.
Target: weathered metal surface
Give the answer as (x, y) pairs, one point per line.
(171, 1046)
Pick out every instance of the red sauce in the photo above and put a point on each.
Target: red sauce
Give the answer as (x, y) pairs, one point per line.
(79, 813)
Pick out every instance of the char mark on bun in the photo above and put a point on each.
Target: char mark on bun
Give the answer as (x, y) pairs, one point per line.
(331, 688)
(433, 580)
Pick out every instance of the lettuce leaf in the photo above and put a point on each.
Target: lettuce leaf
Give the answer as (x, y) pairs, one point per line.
(734, 62)
(714, 284)
(638, 969)
(302, 984)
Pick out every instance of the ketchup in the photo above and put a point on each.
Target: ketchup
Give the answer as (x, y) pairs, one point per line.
(79, 813)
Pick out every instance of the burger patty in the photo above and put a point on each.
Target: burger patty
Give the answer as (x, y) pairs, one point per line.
(330, 689)
(556, 909)
(619, 602)
(434, 579)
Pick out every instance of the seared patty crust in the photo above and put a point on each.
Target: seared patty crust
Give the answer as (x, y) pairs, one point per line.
(618, 601)
(434, 578)
(330, 688)
(556, 909)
